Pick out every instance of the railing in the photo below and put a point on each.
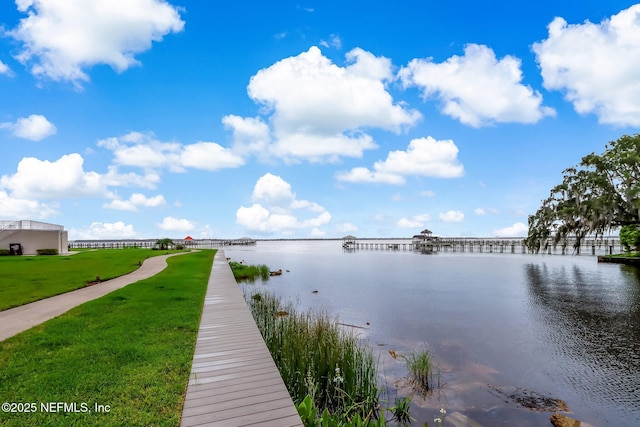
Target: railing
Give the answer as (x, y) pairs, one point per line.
(29, 225)
(599, 246)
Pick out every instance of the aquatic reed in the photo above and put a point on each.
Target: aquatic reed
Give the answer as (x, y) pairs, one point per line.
(318, 358)
(248, 273)
(401, 411)
(421, 370)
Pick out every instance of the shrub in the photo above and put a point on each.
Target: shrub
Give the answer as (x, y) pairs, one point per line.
(630, 237)
(4, 252)
(47, 251)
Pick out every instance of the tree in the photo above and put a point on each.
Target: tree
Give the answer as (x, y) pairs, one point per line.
(598, 195)
(165, 243)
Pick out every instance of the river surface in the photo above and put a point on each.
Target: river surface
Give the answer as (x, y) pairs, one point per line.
(498, 325)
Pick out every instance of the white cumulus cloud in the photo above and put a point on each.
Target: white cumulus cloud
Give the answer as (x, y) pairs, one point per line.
(4, 68)
(346, 227)
(596, 65)
(251, 135)
(416, 221)
(12, 207)
(276, 209)
(66, 178)
(35, 127)
(518, 229)
(143, 150)
(209, 156)
(170, 223)
(62, 38)
(451, 216)
(423, 157)
(60, 179)
(318, 109)
(104, 231)
(137, 200)
(477, 88)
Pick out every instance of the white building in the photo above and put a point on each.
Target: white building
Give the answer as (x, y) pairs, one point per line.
(26, 237)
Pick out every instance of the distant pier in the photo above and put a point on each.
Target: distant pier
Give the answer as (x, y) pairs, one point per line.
(151, 243)
(604, 246)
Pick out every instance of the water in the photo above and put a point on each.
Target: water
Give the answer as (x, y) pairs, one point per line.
(558, 326)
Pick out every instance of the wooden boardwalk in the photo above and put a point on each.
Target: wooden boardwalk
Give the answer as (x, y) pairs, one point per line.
(234, 381)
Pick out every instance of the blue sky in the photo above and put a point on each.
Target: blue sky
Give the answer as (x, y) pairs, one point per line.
(149, 118)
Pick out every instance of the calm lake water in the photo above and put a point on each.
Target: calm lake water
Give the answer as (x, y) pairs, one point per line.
(563, 327)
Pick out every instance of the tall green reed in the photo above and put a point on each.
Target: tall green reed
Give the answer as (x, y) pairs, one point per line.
(422, 373)
(318, 358)
(248, 273)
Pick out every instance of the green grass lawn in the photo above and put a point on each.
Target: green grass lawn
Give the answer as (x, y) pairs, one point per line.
(131, 350)
(626, 255)
(30, 278)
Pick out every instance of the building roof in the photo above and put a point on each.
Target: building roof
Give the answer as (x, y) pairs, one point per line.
(25, 224)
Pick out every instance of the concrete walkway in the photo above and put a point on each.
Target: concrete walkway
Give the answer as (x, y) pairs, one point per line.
(18, 319)
(234, 381)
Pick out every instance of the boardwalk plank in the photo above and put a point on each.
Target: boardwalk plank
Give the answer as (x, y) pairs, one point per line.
(234, 381)
(208, 397)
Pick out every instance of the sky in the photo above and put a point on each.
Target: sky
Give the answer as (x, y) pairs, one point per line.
(131, 119)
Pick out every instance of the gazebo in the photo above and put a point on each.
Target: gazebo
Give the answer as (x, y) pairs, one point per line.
(425, 241)
(348, 241)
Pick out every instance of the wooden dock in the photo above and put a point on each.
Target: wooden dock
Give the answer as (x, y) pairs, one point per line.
(605, 246)
(234, 381)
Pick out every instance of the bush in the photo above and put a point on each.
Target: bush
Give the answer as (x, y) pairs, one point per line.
(4, 252)
(48, 251)
(630, 237)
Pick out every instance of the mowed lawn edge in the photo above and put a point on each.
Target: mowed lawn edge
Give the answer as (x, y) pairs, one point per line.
(130, 350)
(27, 279)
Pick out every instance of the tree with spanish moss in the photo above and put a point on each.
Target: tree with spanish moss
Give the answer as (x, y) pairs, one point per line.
(600, 194)
(165, 243)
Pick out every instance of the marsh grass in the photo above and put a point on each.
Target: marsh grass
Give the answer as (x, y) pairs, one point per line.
(248, 273)
(401, 411)
(422, 374)
(25, 279)
(318, 358)
(131, 349)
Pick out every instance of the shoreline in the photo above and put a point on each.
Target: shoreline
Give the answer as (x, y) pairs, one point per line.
(633, 261)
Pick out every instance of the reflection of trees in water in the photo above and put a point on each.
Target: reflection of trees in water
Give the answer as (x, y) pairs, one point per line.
(592, 324)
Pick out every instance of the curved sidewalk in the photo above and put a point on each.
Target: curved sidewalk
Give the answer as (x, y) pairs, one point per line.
(18, 319)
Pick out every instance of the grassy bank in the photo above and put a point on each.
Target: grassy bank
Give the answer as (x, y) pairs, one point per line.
(248, 273)
(30, 278)
(317, 358)
(625, 255)
(629, 258)
(130, 350)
